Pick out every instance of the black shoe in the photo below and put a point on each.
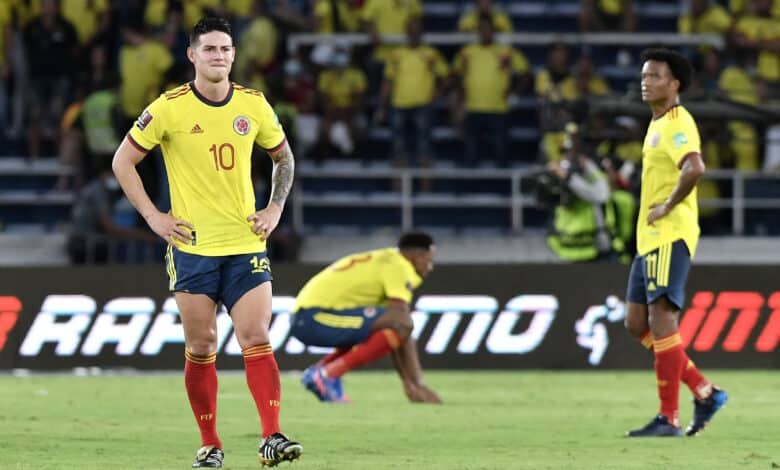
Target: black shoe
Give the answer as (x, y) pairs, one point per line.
(658, 427)
(277, 448)
(209, 457)
(704, 410)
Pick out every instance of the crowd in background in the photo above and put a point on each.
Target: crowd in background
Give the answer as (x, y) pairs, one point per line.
(75, 74)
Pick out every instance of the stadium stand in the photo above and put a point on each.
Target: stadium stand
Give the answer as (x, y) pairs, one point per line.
(361, 193)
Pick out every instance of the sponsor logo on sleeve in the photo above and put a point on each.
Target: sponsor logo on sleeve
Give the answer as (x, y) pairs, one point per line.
(679, 139)
(144, 119)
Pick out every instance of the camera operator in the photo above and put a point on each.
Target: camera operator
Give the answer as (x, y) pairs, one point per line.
(584, 218)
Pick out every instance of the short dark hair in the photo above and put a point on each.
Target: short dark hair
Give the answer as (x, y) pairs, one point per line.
(418, 240)
(679, 66)
(207, 25)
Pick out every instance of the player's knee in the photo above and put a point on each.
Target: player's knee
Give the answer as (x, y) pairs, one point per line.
(202, 348)
(403, 328)
(253, 338)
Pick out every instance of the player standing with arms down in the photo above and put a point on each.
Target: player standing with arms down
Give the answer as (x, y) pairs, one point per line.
(360, 305)
(667, 234)
(217, 239)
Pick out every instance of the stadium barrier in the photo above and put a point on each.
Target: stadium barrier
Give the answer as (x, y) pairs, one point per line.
(466, 317)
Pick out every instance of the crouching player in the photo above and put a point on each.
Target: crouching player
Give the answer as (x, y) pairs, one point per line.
(360, 305)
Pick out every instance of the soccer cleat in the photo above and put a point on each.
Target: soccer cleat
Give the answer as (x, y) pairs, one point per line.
(322, 387)
(209, 457)
(339, 389)
(276, 448)
(704, 410)
(658, 427)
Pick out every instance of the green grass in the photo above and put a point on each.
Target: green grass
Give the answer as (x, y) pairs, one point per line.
(490, 420)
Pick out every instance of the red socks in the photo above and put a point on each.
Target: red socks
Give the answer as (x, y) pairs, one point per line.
(379, 344)
(337, 353)
(670, 360)
(262, 377)
(693, 378)
(200, 380)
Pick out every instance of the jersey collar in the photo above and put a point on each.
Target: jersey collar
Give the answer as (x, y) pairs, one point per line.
(207, 101)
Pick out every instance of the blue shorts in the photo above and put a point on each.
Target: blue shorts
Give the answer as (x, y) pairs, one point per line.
(223, 278)
(334, 328)
(662, 271)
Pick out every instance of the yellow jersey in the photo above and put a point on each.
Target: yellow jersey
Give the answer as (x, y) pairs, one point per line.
(765, 29)
(84, 15)
(349, 16)
(5, 23)
(487, 71)
(342, 88)
(669, 139)
(369, 278)
(207, 149)
(142, 70)
(413, 72)
(715, 20)
(469, 22)
(389, 17)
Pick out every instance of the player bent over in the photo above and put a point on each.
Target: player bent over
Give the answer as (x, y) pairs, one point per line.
(360, 306)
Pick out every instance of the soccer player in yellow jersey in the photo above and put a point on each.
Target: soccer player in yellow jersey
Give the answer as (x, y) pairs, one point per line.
(667, 233)
(216, 238)
(360, 306)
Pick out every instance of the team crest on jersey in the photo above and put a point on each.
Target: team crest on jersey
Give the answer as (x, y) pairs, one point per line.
(655, 140)
(144, 119)
(369, 312)
(241, 125)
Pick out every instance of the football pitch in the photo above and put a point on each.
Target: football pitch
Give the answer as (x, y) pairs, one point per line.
(490, 420)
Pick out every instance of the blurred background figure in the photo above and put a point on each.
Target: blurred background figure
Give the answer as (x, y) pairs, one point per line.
(607, 15)
(487, 72)
(258, 45)
(588, 223)
(50, 43)
(414, 79)
(337, 16)
(341, 87)
(469, 21)
(95, 235)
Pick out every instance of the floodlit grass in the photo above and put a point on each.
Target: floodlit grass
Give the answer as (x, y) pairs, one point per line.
(490, 420)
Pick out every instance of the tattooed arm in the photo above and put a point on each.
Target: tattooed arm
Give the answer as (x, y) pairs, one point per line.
(282, 177)
(266, 220)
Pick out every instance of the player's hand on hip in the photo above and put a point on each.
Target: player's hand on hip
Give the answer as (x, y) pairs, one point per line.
(170, 229)
(657, 211)
(265, 220)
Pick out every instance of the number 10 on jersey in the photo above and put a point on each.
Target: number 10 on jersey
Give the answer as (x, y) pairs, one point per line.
(224, 156)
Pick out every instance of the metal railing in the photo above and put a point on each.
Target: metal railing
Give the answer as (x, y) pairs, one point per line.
(295, 41)
(406, 199)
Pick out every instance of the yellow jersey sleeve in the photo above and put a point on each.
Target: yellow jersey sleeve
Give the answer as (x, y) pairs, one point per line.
(270, 134)
(459, 62)
(681, 137)
(358, 79)
(370, 10)
(519, 62)
(149, 129)
(396, 282)
(440, 67)
(391, 66)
